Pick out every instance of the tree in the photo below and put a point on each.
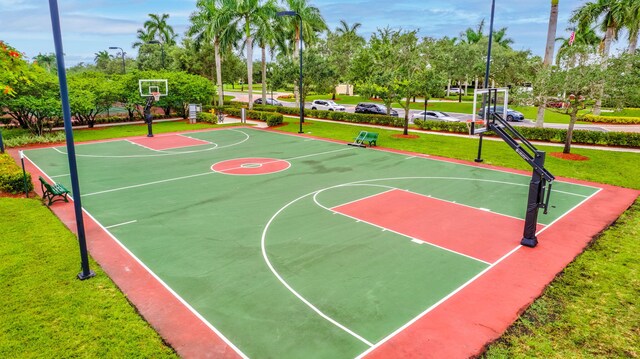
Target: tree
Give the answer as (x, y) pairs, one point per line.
(611, 16)
(343, 44)
(47, 61)
(312, 24)
(246, 14)
(632, 23)
(143, 38)
(471, 36)
(267, 35)
(14, 70)
(548, 52)
(212, 24)
(91, 93)
(158, 29)
(345, 29)
(102, 59)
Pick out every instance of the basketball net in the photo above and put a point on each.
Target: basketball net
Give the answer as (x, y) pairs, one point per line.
(156, 96)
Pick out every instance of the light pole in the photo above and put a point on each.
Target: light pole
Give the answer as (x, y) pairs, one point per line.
(485, 105)
(293, 13)
(161, 49)
(124, 70)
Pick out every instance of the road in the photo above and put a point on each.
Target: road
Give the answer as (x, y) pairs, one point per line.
(243, 97)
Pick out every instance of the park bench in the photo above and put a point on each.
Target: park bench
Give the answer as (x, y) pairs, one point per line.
(365, 137)
(53, 193)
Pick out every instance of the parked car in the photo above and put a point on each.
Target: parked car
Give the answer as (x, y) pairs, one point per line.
(455, 91)
(434, 116)
(269, 101)
(326, 105)
(374, 108)
(512, 115)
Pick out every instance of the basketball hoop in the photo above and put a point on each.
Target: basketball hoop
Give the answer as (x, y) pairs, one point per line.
(156, 96)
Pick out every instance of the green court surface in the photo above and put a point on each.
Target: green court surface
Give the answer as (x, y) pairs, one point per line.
(267, 258)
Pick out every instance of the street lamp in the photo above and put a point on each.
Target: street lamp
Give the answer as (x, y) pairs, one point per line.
(293, 13)
(122, 52)
(161, 48)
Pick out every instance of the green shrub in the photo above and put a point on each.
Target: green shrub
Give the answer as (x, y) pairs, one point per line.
(28, 138)
(11, 176)
(206, 117)
(610, 119)
(271, 118)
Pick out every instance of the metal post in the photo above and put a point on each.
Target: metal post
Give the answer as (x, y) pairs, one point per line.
(24, 175)
(300, 90)
(1, 143)
(66, 114)
(425, 106)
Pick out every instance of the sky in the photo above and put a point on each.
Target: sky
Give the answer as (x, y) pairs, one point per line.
(90, 26)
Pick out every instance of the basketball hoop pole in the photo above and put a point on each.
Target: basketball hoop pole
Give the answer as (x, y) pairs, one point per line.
(148, 118)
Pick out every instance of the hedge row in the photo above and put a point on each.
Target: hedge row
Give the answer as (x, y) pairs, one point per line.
(11, 177)
(271, 118)
(624, 139)
(206, 117)
(610, 119)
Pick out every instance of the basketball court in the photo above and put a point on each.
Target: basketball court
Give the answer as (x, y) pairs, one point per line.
(242, 242)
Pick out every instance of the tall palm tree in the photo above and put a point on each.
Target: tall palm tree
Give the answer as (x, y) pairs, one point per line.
(246, 14)
(610, 16)
(500, 38)
(548, 52)
(267, 35)
(587, 37)
(143, 38)
(158, 28)
(632, 24)
(47, 61)
(210, 23)
(312, 24)
(345, 29)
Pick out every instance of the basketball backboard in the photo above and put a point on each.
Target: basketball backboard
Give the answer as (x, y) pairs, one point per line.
(148, 87)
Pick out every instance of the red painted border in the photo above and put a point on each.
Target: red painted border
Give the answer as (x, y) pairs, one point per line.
(460, 327)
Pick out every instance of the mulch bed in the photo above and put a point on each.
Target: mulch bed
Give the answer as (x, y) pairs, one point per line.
(569, 156)
(405, 136)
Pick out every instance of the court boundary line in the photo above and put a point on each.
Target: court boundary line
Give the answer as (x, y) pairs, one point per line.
(121, 224)
(569, 211)
(435, 305)
(155, 276)
(145, 147)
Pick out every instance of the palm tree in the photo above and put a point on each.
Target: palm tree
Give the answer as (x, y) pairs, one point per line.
(632, 24)
(583, 36)
(102, 58)
(211, 24)
(548, 52)
(471, 36)
(610, 15)
(143, 38)
(267, 35)
(500, 38)
(312, 24)
(48, 61)
(345, 29)
(158, 29)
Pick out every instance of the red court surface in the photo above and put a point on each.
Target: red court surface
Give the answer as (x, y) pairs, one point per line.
(461, 229)
(458, 326)
(167, 142)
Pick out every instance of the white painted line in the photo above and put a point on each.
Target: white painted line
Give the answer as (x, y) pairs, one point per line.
(315, 199)
(196, 139)
(435, 305)
(410, 157)
(569, 211)
(121, 224)
(143, 146)
(147, 184)
(414, 240)
(64, 175)
(293, 291)
(484, 209)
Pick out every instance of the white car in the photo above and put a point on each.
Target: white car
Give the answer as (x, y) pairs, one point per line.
(326, 105)
(434, 116)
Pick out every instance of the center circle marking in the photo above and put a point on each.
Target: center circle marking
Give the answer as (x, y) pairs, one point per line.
(250, 166)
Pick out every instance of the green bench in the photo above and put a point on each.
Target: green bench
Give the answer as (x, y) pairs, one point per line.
(365, 137)
(53, 193)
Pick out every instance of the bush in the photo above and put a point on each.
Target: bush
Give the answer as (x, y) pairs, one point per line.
(610, 119)
(206, 117)
(11, 176)
(271, 118)
(28, 138)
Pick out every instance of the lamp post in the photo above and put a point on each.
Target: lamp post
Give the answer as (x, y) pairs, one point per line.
(293, 13)
(124, 70)
(485, 105)
(161, 49)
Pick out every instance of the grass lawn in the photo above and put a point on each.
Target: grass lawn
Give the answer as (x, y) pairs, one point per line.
(48, 313)
(627, 112)
(592, 309)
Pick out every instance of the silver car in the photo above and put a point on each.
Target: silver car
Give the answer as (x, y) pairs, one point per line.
(326, 105)
(433, 116)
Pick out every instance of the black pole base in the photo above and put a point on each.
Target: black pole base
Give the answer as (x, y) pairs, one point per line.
(149, 135)
(82, 276)
(529, 242)
(478, 160)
